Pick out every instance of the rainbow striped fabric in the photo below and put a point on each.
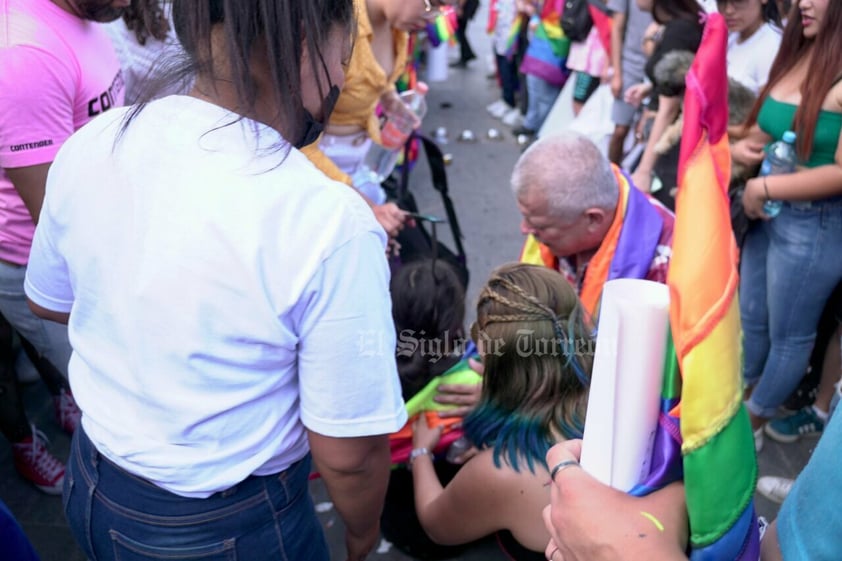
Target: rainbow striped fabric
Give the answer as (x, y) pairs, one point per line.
(720, 468)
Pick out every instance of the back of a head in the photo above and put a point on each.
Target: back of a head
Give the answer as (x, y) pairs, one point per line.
(428, 308)
(538, 355)
(570, 171)
(666, 10)
(228, 36)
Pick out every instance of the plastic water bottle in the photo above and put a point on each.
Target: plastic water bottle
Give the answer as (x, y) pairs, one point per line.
(780, 159)
(380, 160)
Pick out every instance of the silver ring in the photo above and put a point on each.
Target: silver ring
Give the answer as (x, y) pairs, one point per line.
(427, 6)
(560, 466)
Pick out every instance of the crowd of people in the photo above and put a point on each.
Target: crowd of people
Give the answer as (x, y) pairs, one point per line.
(188, 258)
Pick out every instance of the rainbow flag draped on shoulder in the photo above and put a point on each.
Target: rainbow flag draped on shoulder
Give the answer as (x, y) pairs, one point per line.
(720, 468)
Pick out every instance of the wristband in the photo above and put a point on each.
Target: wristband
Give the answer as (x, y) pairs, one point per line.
(416, 452)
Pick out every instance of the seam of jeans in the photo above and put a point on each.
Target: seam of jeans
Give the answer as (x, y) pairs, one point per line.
(180, 520)
(227, 547)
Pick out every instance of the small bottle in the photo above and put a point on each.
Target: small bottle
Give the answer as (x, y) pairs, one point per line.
(780, 159)
(457, 448)
(381, 159)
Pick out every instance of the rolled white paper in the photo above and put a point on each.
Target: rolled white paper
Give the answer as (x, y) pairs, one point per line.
(623, 406)
(437, 62)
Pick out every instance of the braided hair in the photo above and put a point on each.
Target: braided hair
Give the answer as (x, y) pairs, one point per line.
(538, 355)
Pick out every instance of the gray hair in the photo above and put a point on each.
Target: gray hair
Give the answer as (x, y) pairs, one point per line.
(570, 171)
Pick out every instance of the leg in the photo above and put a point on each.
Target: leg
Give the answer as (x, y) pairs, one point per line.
(542, 96)
(508, 79)
(13, 421)
(615, 146)
(802, 270)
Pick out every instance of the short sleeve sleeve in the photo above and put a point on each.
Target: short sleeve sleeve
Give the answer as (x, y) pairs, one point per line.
(348, 377)
(36, 96)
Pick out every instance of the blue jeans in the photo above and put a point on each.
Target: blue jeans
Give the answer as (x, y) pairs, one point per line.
(542, 96)
(117, 516)
(790, 266)
(507, 71)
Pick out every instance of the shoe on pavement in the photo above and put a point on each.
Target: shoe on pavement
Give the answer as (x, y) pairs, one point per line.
(35, 463)
(68, 414)
(774, 488)
(498, 108)
(523, 130)
(513, 117)
(758, 440)
(802, 423)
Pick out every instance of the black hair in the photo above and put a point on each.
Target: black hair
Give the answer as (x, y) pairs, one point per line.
(282, 29)
(428, 308)
(771, 14)
(666, 10)
(147, 18)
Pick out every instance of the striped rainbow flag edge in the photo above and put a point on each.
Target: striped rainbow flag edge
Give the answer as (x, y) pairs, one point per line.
(720, 467)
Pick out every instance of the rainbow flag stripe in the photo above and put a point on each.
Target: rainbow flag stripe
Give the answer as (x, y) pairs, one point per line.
(720, 468)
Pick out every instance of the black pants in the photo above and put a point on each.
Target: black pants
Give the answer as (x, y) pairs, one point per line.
(468, 12)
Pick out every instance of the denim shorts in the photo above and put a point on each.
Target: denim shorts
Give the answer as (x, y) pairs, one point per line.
(117, 516)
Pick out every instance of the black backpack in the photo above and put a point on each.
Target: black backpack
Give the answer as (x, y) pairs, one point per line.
(576, 21)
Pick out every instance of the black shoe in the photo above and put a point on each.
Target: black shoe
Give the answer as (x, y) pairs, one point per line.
(523, 130)
(459, 64)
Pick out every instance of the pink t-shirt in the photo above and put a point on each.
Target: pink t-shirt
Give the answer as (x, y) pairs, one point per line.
(57, 72)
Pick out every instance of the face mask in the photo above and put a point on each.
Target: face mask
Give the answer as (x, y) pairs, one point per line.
(314, 128)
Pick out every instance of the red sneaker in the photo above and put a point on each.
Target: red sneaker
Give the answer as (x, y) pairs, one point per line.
(35, 463)
(67, 413)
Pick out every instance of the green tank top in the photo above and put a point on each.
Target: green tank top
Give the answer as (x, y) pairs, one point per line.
(776, 118)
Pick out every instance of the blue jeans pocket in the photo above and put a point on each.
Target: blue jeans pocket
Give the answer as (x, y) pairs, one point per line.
(127, 549)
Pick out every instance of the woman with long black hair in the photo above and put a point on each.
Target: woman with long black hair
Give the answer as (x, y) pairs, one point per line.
(217, 287)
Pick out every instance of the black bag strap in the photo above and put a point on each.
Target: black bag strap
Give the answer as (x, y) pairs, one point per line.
(435, 159)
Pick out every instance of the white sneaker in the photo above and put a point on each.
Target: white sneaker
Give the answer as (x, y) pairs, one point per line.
(758, 440)
(513, 118)
(498, 108)
(774, 488)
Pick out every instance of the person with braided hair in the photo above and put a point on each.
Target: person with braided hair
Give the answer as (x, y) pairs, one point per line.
(538, 352)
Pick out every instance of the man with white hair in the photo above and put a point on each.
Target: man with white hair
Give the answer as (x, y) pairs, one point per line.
(583, 217)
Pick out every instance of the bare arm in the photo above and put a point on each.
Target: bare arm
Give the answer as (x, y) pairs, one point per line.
(618, 32)
(30, 183)
(355, 472)
(50, 315)
(668, 108)
(806, 184)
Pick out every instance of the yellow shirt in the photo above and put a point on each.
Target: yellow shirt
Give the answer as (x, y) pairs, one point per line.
(365, 82)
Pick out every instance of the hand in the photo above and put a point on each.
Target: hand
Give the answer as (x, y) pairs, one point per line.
(617, 84)
(390, 217)
(423, 436)
(465, 396)
(635, 94)
(747, 152)
(642, 179)
(591, 521)
(360, 546)
(754, 196)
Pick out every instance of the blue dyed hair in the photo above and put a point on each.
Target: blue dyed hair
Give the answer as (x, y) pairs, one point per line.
(538, 355)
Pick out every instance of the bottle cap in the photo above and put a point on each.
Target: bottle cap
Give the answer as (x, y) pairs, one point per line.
(422, 88)
(789, 137)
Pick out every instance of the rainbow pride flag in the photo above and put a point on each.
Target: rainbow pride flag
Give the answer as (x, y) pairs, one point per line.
(443, 28)
(720, 467)
(514, 33)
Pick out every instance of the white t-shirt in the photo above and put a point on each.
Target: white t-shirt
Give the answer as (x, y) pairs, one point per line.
(749, 61)
(220, 301)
